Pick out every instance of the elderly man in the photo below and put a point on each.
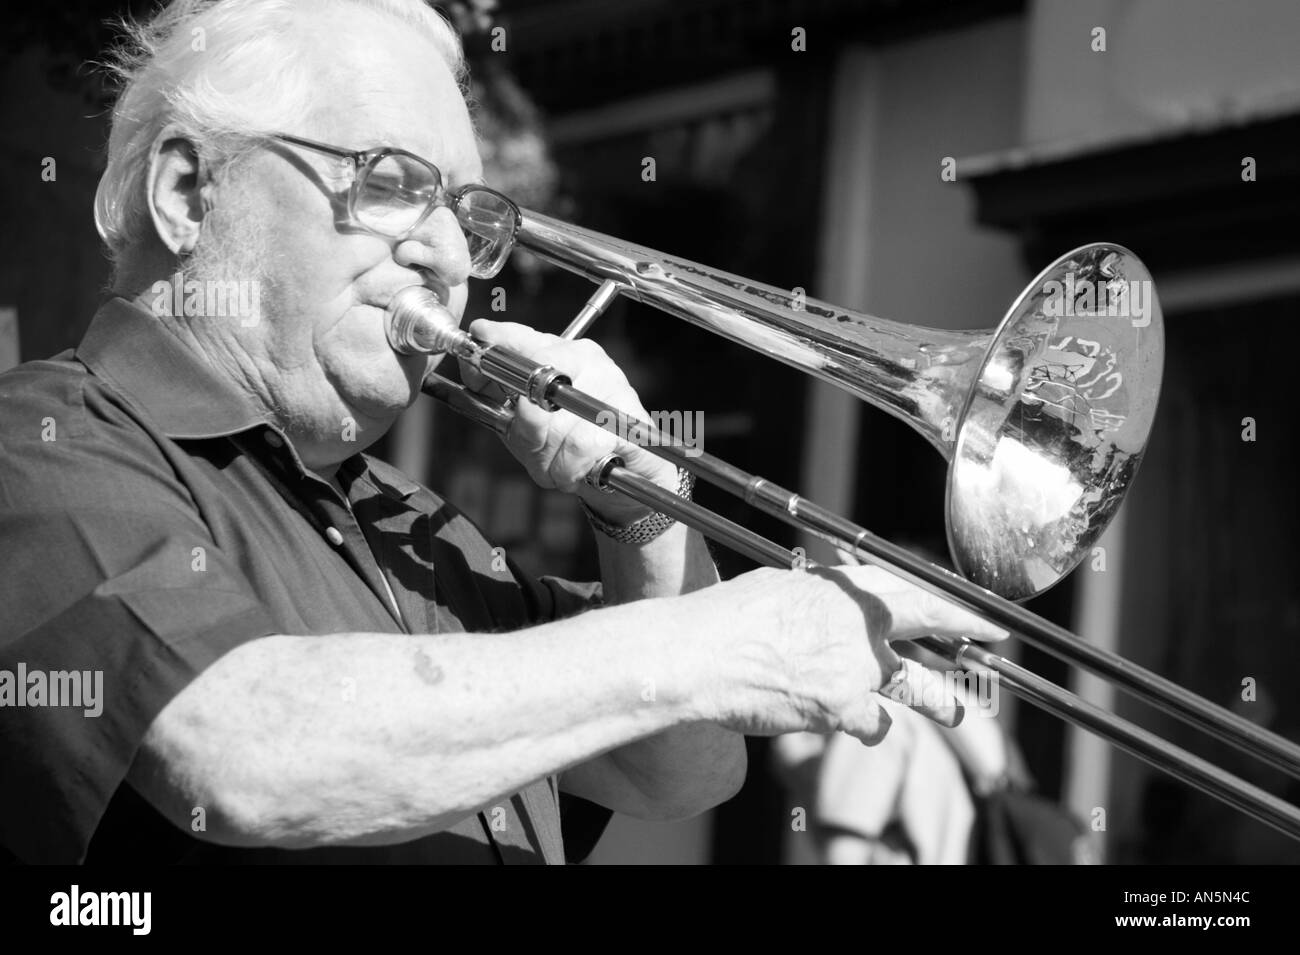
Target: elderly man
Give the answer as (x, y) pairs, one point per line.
(306, 656)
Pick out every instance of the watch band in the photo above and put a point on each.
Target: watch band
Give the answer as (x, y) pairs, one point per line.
(646, 529)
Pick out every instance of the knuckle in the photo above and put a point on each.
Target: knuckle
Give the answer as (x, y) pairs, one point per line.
(929, 610)
(869, 574)
(588, 350)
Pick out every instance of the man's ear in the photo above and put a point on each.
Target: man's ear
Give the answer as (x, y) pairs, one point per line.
(179, 195)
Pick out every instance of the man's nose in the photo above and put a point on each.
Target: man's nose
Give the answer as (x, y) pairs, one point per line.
(439, 246)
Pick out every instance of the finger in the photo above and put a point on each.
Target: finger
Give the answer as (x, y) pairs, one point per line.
(512, 335)
(480, 384)
(534, 427)
(583, 360)
(916, 612)
(520, 338)
(870, 723)
(925, 691)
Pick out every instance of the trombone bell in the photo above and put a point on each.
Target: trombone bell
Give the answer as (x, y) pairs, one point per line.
(1055, 421)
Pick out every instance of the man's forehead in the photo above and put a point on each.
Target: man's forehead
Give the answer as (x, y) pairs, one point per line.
(450, 147)
(394, 89)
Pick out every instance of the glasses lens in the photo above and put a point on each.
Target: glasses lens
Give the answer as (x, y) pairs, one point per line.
(489, 220)
(395, 193)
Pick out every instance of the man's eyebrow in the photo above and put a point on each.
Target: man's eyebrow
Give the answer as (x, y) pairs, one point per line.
(393, 139)
(389, 140)
(454, 177)
(451, 178)
(397, 141)
(458, 182)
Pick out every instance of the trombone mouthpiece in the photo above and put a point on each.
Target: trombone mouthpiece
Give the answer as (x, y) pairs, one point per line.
(417, 324)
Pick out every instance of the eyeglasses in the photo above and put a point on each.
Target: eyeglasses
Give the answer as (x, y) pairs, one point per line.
(394, 191)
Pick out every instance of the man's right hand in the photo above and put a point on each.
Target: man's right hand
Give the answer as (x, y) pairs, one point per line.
(806, 650)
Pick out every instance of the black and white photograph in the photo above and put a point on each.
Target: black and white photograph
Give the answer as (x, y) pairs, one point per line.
(651, 432)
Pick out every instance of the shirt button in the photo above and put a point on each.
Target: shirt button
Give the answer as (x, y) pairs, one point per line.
(333, 536)
(273, 439)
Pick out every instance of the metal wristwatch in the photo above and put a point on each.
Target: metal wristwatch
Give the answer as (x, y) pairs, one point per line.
(646, 529)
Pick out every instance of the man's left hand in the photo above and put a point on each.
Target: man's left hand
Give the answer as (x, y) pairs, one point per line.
(558, 448)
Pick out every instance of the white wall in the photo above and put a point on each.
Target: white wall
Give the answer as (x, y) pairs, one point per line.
(1167, 63)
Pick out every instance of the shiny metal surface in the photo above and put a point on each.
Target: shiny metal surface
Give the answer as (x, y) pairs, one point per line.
(1054, 425)
(1043, 420)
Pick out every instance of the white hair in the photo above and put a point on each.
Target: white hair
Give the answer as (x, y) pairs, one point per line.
(217, 70)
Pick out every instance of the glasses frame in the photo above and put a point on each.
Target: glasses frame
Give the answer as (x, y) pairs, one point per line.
(364, 161)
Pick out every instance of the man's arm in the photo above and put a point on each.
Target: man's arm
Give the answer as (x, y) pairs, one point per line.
(434, 728)
(441, 726)
(690, 768)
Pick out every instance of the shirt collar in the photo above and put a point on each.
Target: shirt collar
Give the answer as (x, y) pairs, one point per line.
(130, 348)
(380, 476)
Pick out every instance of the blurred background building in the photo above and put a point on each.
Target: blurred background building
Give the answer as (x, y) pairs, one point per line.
(802, 143)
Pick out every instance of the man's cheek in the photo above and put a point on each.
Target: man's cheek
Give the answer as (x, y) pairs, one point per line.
(359, 331)
(355, 353)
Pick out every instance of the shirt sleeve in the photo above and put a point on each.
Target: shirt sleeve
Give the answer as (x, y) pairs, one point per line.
(547, 599)
(559, 598)
(582, 823)
(107, 572)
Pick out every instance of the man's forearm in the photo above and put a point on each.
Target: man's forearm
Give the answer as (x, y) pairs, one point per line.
(686, 769)
(676, 562)
(376, 738)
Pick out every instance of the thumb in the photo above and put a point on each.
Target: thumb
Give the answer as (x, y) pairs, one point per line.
(512, 335)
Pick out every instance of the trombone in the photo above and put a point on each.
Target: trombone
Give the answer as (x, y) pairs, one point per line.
(1043, 421)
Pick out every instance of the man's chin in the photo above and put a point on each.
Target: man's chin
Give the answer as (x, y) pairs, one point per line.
(382, 404)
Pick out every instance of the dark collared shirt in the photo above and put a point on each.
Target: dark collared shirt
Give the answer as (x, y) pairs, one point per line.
(150, 521)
